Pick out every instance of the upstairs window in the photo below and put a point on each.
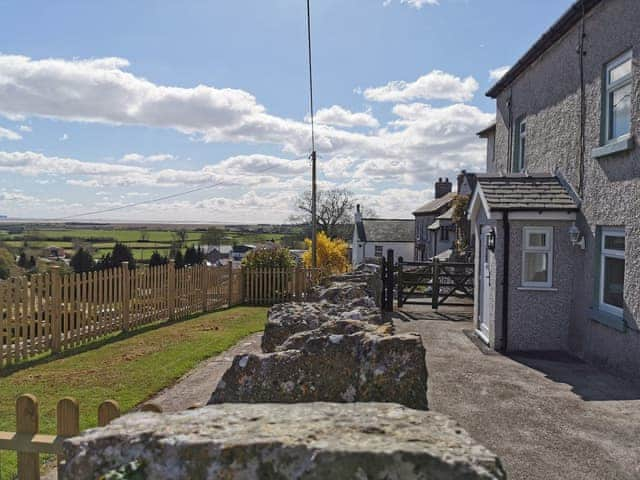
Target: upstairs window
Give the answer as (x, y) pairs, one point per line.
(379, 251)
(537, 258)
(520, 146)
(611, 289)
(617, 98)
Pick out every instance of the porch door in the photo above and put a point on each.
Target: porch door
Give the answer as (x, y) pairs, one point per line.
(485, 284)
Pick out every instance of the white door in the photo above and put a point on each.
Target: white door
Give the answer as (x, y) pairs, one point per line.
(485, 285)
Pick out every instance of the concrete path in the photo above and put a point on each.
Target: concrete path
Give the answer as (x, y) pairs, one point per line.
(195, 388)
(546, 416)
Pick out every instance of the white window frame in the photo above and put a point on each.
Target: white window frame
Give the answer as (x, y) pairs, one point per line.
(606, 253)
(520, 144)
(609, 88)
(548, 249)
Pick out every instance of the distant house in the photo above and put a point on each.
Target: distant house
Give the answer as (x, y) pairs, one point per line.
(217, 253)
(372, 237)
(238, 252)
(435, 231)
(54, 252)
(556, 218)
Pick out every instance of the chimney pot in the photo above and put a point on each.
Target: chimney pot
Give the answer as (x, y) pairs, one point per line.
(442, 188)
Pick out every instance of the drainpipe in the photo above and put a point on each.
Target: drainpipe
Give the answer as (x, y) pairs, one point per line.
(505, 279)
(583, 105)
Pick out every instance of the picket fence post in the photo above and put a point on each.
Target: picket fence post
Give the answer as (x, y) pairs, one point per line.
(68, 422)
(230, 293)
(126, 294)
(27, 421)
(171, 289)
(203, 280)
(107, 411)
(56, 309)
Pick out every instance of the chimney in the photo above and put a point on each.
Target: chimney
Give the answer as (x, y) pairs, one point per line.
(358, 216)
(442, 188)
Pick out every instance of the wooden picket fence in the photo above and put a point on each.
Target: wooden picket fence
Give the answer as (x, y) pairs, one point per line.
(52, 312)
(266, 286)
(29, 443)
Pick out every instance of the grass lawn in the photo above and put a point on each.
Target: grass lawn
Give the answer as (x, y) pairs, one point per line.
(127, 368)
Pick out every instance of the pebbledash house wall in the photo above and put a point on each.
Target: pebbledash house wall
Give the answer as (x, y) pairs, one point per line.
(548, 95)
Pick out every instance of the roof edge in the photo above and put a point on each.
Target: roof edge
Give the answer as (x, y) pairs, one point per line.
(548, 38)
(483, 133)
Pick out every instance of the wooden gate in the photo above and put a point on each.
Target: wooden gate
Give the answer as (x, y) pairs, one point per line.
(434, 283)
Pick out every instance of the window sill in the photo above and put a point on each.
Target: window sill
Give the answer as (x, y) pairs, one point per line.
(608, 319)
(622, 144)
(537, 289)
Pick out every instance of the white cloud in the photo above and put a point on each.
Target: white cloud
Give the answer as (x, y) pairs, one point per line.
(436, 85)
(497, 73)
(100, 90)
(16, 197)
(421, 143)
(141, 159)
(341, 117)
(6, 134)
(24, 128)
(417, 4)
(247, 170)
(64, 137)
(31, 163)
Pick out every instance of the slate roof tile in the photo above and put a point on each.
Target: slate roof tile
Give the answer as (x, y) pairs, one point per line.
(526, 193)
(384, 230)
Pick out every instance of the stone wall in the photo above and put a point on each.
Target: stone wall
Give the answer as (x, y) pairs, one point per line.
(303, 441)
(334, 349)
(309, 409)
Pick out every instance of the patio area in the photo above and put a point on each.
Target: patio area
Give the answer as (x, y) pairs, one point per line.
(546, 415)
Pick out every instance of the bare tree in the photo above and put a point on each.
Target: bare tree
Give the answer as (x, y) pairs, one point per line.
(335, 208)
(180, 237)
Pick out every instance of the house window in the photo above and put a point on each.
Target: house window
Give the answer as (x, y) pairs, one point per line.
(379, 251)
(611, 289)
(617, 98)
(537, 257)
(520, 146)
(444, 234)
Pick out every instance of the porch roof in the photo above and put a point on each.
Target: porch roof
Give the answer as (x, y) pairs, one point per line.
(520, 192)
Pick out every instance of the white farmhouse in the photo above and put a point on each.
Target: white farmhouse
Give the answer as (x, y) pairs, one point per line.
(372, 237)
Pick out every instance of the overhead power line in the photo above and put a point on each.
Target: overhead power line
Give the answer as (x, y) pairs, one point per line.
(165, 197)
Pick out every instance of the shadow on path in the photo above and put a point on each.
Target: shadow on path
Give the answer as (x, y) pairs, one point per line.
(585, 380)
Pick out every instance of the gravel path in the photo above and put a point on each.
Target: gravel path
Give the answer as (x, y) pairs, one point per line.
(196, 387)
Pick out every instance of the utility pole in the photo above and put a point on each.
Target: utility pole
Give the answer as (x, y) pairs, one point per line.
(314, 221)
(314, 196)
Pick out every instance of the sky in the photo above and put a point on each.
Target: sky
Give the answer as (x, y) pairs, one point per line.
(108, 104)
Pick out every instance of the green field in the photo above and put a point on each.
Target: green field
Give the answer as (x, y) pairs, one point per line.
(127, 368)
(142, 241)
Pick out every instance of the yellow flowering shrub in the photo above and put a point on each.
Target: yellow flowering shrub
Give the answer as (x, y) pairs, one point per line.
(332, 254)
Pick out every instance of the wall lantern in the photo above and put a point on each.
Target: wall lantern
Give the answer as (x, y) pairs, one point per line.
(491, 240)
(577, 240)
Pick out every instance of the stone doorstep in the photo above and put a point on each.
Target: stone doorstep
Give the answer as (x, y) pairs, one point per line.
(294, 441)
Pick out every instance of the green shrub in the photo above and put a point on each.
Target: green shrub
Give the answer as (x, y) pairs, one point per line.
(269, 258)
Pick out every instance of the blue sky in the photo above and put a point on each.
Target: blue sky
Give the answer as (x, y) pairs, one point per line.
(107, 103)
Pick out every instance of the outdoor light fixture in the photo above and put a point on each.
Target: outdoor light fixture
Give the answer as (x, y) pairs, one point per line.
(576, 239)
(491, 240)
